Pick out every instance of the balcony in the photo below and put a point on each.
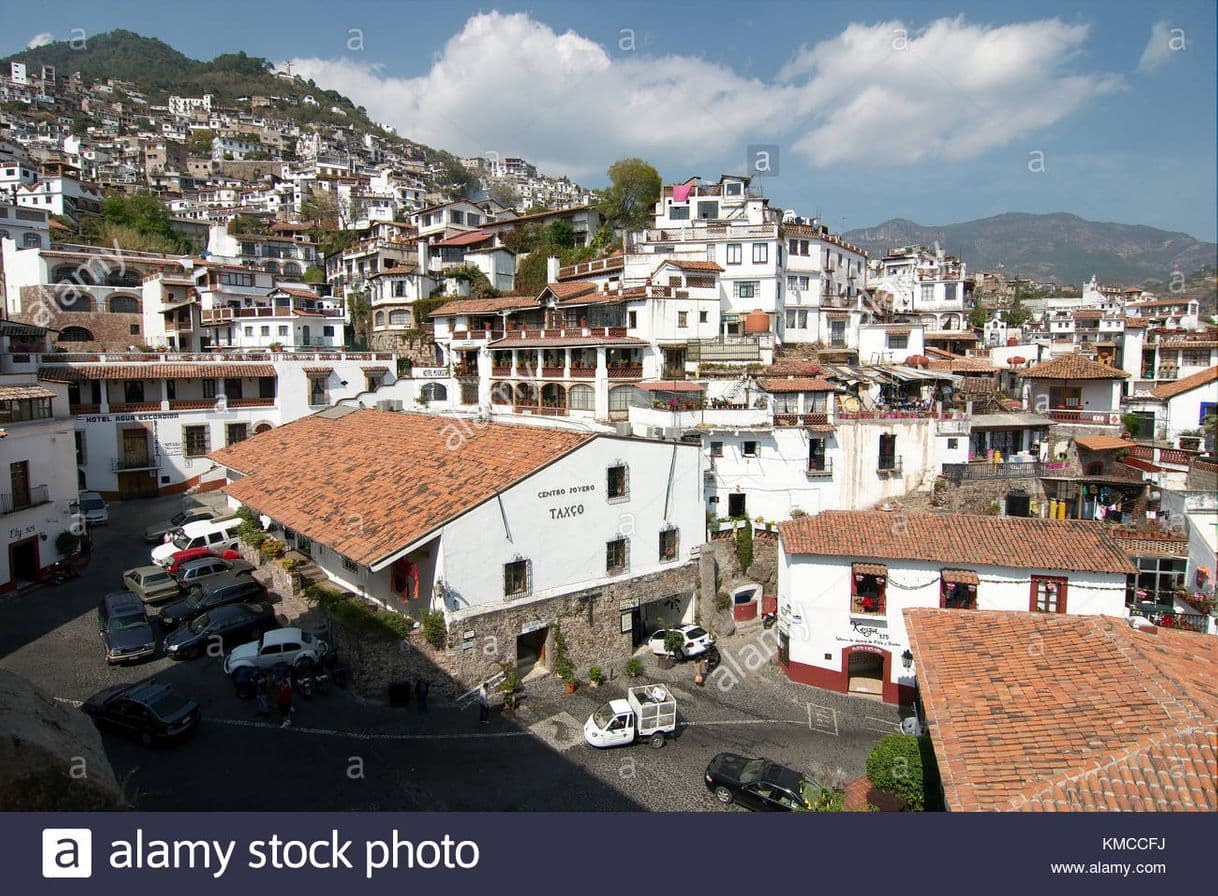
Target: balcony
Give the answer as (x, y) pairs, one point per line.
(626, 372)
(134, 407)
(957, 473)
(1166, 616)
(465, 371)
(822, 469)
(816, 419)
(552, 372)
(501, 370)
(889, 465)
(585, 373)
(141, 462)
(36, 494)
(476, 335)
(1088, 418)
(84, 409)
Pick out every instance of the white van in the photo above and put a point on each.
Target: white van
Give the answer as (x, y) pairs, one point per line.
(214, 534)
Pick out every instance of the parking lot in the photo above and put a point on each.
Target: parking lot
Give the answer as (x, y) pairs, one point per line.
(343, 752)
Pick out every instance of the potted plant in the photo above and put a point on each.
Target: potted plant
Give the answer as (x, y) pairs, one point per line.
(510, 687)
(634, 667)
(673, 642)
(569, 682)
(596, 676)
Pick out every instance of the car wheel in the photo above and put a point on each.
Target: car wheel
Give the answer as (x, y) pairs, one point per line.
(723, 795)
(657, 740)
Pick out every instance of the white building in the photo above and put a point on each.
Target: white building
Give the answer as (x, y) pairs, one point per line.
(922, 286)
(28, 228)
(1179, 407)
(844, 579)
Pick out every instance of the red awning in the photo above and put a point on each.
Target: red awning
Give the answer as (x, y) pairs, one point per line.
(670, 386)
(960, 577)
(870, 569)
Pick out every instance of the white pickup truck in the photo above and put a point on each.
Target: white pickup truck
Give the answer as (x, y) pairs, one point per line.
(648, 713)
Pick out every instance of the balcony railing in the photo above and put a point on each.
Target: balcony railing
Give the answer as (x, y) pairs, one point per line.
(1166, 617)
(144, 462)
(552, 372)
(133, 407)
(35, 495)
(629, 372)
(465, 370)
(821, 469)
(84, 409)
(958, 473)
(501, 370)
(583, 372)
(1092, 418)
(468, 335)
(889, 465)
(814, 419)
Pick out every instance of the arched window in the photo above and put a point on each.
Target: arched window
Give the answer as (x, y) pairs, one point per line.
(526, 395)
(400, 318)
(553, 396)
(379, 320)
(291, 269)
(71, 300)
(262, 427)
(434, 392)
(583, 398)
(71, 274)
(621, 398)
(125, 304)
(271, 267)
(501, 393)
(75, 334)
(123, 278)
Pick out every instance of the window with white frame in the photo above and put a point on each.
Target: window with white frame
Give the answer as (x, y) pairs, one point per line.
(734, 253)
(746, 289)
(617, 556)
(761, 253)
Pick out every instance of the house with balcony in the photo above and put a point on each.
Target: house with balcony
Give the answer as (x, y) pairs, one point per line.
(920, 286)
(1169, 314)
(379, 246)
(845, 579)
(38, 490)
(395, 326)
(241, 308)
(1073, 390)
(508, 530)
(281, 255)
(1170, 355)
(1177, 409)
(144, 423)
(28, 228)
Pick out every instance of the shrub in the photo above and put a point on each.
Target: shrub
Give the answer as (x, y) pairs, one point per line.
(634, 667)
(245, 514)
(824, 799)
(435, 629)
(596, 674)
(722, 602)
(272, 548)
(290, 563)
(251, 534)
(511, 681)
(744, 547)
(67, 542)
(904, 765)
(673, 642)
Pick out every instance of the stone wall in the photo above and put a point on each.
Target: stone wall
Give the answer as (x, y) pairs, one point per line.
(111, 329)
(977, 496)
(419, 349)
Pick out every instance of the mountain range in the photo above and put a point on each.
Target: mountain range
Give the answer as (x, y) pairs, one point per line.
(1059, 247)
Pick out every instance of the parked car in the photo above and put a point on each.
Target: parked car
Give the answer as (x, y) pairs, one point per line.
(697, 640)
(155, 534)
(196, 571)
(226, 588)
(758, 784)
(125, 628)
(232, 624)
(214, 534)
(150, 584)
(180, 557)
(297, 648)
(148, 710)
(94, 509)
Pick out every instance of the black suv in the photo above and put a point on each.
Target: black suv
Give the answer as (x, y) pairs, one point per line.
(125, 628)
(148, 711)
(217, 591)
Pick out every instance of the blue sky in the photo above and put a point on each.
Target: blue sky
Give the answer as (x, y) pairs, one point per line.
(930, 111)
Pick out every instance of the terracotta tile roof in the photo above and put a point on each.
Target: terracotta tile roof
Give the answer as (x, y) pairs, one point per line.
(1189, 343)
(1073, 367)
(1187, 384)
(77, 372)
(484, 306)
(394, 473)
(1100, 717)
(952, 335)
(671, 386)
(968, 365)
(691, 265)
(15, 393)
(1102, 443)
(796, 384)
(1133, 323)
(559, 341)
(297, 292)
(571, 289)
(466, 239)
(794, 367)
(957, 539)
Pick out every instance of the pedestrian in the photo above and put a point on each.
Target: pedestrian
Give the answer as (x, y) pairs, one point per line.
(700, 673)
(484, 704)
(284, 699)
(421, 687)
(263, 690)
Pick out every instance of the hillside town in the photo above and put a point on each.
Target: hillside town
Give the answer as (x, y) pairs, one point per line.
(451, 420)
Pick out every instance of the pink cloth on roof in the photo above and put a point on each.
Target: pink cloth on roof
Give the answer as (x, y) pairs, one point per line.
(680, 193)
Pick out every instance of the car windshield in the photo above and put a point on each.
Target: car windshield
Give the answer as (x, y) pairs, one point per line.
(92, 503)
(124, 623)
(194, 598)
(695, 632)
(199, 625)
(752, 771)
(603, 716)
(181, 541)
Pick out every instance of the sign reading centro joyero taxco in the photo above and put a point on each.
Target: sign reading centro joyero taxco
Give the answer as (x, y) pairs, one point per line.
(572, 506)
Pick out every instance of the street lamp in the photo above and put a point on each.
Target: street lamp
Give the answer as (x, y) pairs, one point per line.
(907, 659)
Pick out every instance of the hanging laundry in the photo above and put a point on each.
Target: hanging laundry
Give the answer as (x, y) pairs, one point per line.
(680, 192)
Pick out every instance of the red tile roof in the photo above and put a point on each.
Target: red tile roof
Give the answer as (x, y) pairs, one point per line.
(466, 239)
(484, 306)
(77, 372)
(691, 265)
(1102, 443)
(571, 289)
(1099, 717)
(1073, 367)
(957, 539)
(1187, 384)
(796, 384)
(369, 483)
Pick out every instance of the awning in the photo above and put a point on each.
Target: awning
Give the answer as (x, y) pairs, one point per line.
(960, 577)
(318, 370)
(16, 328)
(870, 569)
(14, 393)
(670, 386)
(375, 369)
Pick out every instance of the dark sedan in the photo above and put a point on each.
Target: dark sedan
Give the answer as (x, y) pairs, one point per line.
(758, 784)
(225, 626)
(217, 591)
(148, 711)
(125, 629)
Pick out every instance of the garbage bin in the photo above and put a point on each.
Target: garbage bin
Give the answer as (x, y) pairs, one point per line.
(744, 606)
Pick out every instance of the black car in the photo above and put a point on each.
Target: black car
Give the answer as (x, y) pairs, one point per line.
(231, 624)
(125, 628)
(217, 591)
(758, 784)
(148, 711)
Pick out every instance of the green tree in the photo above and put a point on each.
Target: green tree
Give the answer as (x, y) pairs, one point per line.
(634, 188)
(905, 765)
(977, 317)
(1016, 314)
(314, 274)
(199, 143)
(744, 547)
(503, 193)
(252, 224)
(139, 222)
(560, 233)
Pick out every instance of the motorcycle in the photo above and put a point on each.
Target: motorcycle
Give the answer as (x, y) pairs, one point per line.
(60, 571)
(768, 619)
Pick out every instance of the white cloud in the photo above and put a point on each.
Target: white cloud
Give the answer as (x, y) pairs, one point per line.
(1158, 48)
(510, 84)
(40, 40)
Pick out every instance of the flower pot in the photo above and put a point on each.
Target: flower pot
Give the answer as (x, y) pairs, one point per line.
(667, 662)
(569, 687)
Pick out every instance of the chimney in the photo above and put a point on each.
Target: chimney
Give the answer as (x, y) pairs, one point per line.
(552, 264)
(422, 255)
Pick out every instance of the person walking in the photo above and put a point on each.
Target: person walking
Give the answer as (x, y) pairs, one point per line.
(263, 692)
(284, 700)
(484, 704)
(421, 687)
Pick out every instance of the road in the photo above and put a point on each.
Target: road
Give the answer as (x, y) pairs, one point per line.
(346, 753)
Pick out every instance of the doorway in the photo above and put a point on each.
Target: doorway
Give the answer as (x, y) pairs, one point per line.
(865, 674)
(23, 562)
(137, 484)
(135, 448)
(735, 506)
(531, 651)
